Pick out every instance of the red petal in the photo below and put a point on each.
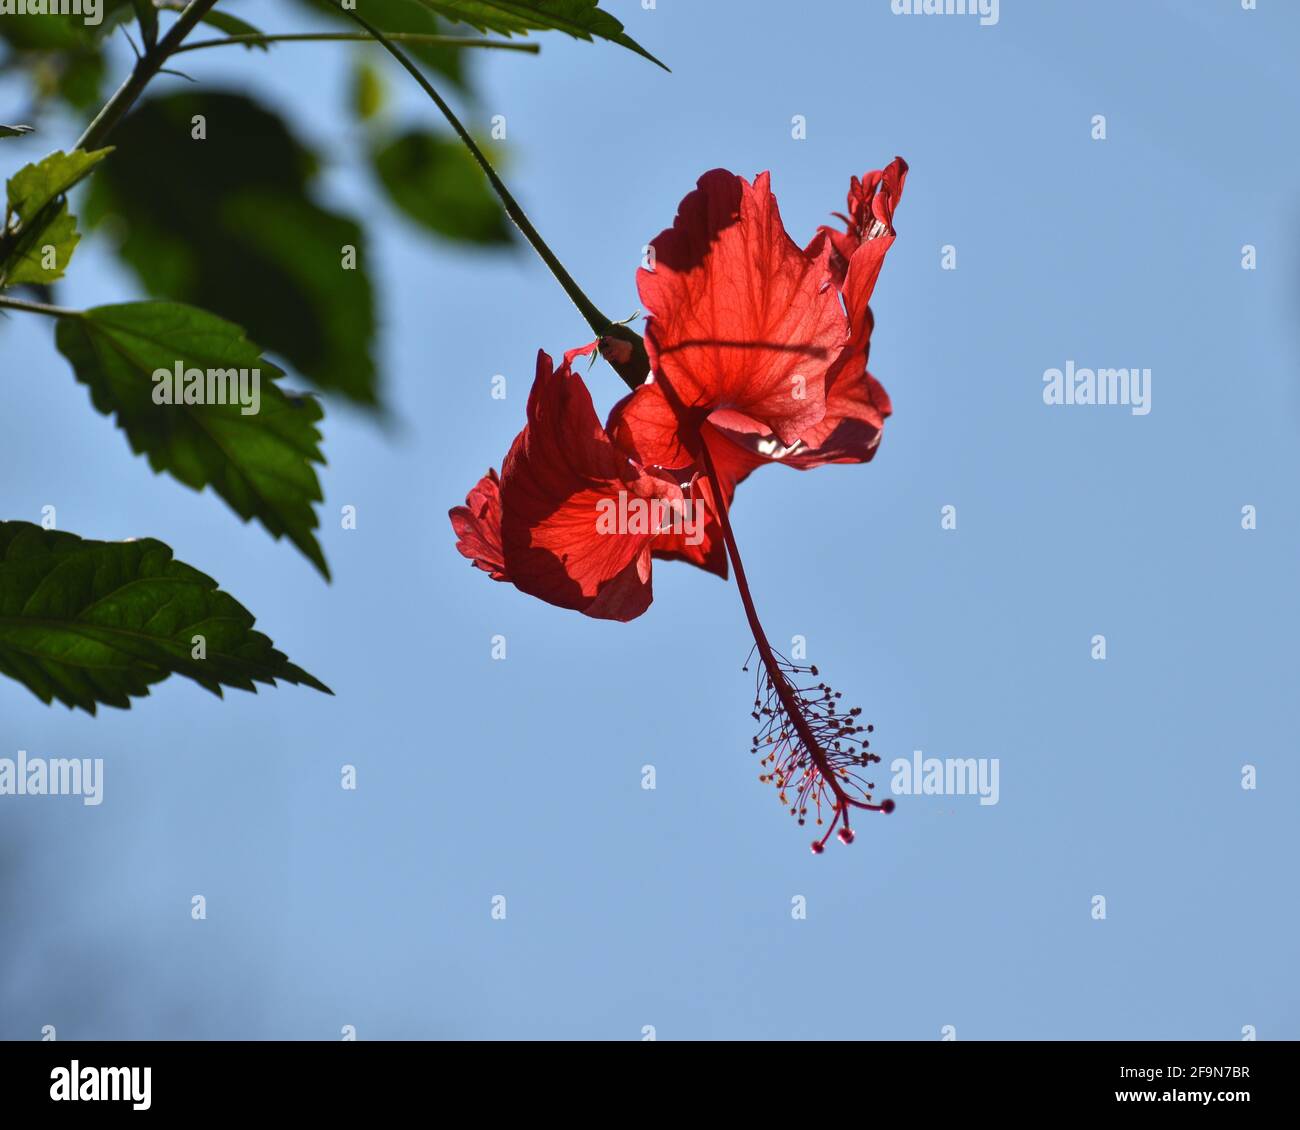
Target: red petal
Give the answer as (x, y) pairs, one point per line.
(874, 199)
(700, 542)
(871, 202)
(478, 526)
(738, 319)
(645, 425)
(856, 405)
(841, 247)
(860, 284)
(856, 410)
(561, 486)
(733, 461)
(892, 179)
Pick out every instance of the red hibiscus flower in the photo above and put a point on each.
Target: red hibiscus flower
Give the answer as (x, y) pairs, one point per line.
(731, 293)
(758, 351)
(539, 524)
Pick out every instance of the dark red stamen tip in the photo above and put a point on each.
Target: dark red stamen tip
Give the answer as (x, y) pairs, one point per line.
(887, 806)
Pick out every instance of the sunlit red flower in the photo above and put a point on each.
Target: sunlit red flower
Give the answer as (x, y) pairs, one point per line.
(728, 240)
(536, 524)
(758, 352)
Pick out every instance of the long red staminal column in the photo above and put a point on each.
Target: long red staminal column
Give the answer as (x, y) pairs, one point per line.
(787, 695)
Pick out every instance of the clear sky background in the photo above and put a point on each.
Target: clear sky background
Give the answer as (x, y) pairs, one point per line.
(673, 908)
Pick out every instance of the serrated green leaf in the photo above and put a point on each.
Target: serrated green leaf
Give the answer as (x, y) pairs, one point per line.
(260, 463)
(246, 239)
(43, 220)
(94, 623)
(582, 19)
(27, 264)
(34, 186)
(435, 181)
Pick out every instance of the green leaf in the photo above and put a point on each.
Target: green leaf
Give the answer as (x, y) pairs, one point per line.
(233, 25)
(94, 622)
(27, 263)
(61, 54)
(259, 462)
(14, 131)
(34, 186)
(242, 234)
(582, 19)
(34, 196)
(436, 182)
(45, 32)
(76, 77)
(223, 21)
(368, 93)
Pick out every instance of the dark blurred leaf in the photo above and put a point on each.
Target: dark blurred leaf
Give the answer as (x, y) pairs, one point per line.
(582, 19)
(75, 77)
(230, 224)
(435, 181)
(61, 54)
(408, 16)
(94, 622)
(43, 220)
(260, 463)
(42, 31)
(14, 131)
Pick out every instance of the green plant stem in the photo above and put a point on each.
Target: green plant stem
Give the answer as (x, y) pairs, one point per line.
(146, 66)
(37, 308)
(358, 37)
(637, 367)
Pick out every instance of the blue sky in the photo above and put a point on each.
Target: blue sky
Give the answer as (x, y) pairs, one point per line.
(521, 777)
